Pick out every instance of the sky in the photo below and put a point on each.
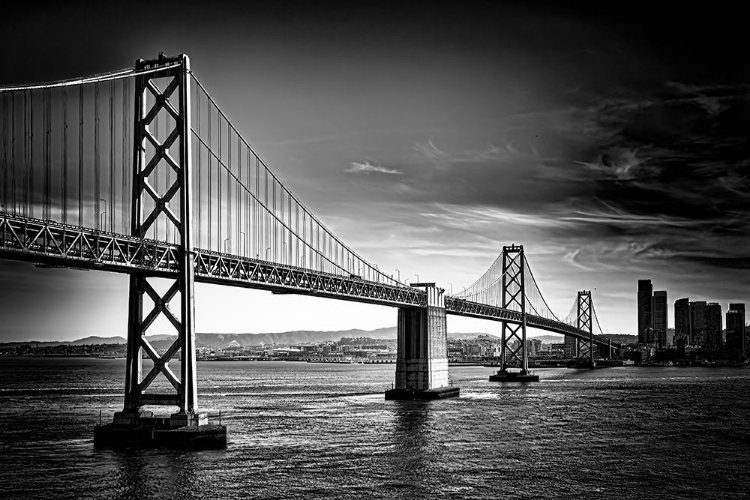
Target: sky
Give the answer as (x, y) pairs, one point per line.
(612, 144)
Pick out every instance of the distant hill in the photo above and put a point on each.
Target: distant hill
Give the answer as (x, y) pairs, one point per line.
(223, 340)
(85, 341)
(549, 339)
(622, 338)
(97, 340)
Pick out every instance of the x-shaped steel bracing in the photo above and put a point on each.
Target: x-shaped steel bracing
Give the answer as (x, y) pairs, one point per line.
(150, 151)
(513, 348)
(585, 348)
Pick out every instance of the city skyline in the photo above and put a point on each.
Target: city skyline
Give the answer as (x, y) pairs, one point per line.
(613, 149)
(697, 322)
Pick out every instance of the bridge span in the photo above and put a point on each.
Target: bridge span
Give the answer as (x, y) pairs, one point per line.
(139, 171)
(52, 244)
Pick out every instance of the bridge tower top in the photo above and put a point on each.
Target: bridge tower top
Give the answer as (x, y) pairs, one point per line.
(512, 248)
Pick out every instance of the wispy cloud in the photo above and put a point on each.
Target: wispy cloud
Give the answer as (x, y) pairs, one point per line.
(431, 152)
(365, 167)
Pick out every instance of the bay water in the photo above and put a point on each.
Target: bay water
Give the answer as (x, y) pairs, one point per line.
(311, 430)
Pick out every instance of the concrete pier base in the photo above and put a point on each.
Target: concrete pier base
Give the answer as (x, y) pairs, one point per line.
(417, 395)
(142, 429)
(506, 376)
(422, 360)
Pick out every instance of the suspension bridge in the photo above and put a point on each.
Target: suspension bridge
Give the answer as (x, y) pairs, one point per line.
(139, 171)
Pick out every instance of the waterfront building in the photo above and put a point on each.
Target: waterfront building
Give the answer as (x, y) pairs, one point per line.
(682, 320)
(659, 318)
(735, 332)
(698, 322)
(533, 347)
(714, 325)
(571, 347)
(736, 336)
(645, 321)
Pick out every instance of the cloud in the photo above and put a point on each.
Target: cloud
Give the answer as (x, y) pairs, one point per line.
(431, 152)
(366, 167)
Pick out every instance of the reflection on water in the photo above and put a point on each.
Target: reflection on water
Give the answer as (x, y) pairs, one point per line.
(302, 430)
(411, 454)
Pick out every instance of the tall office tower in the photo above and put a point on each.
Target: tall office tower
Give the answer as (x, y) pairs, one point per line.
(737, 307)
(645, 323)
(682, 320)
(736, 338)
(659, 316)
(714, 325)
(698, 322)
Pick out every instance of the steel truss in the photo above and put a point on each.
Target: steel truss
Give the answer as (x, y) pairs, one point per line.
(53, 244)
(149, 152)
(585, 346)
(513, 343)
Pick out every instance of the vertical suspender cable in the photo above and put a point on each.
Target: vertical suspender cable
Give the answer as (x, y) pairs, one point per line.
(45, 154)
(65, 155)
(220, 242)
(240, 250)
(267, 230)
(31, 155)
(13, 149)
(97, 159)
(229, 190)
(80, 155)
(278, 251)
(257, 208)
(124, 164)
(25, 154)
(48, 156)
(5, 151)
(248, 221)
(112, 156)
(210, 184)
(200, 165)
(210, 199)
(282, 236)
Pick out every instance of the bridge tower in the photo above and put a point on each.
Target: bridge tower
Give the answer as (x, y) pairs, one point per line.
(172, 150)
(422, 359)
(513, 343)
(586, 349)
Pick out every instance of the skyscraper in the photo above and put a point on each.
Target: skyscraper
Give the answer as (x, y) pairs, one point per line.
(682, 320)
(736, 342)
(659, 316)
(714, 325)
(698, 322)
(645, 322)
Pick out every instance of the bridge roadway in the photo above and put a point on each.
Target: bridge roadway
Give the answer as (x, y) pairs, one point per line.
(53, 244)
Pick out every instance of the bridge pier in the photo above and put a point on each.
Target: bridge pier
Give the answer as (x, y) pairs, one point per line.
(422, 360)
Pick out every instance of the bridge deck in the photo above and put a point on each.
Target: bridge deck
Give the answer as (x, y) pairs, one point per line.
(52, 244)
